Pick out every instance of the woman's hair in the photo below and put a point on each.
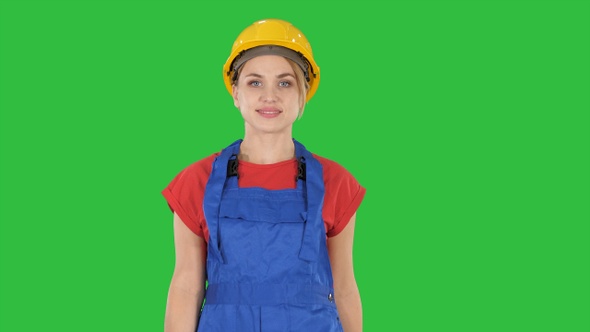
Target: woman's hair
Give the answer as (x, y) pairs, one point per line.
(302, 83)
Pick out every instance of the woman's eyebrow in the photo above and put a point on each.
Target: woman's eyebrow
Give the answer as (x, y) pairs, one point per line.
(278, 76)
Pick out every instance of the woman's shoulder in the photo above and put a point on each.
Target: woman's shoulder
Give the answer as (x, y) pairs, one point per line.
(204, 165)
(331, 168)
(335, 175)
(198, 171)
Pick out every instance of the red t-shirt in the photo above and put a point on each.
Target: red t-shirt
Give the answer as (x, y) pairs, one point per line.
(343, 194)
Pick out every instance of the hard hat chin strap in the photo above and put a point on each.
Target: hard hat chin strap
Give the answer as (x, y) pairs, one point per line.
(251, 53)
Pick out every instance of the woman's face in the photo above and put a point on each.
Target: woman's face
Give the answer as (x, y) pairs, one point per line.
(267, 95)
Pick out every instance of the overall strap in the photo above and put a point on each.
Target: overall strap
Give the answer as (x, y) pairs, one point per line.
(213, 192)
(313, 233)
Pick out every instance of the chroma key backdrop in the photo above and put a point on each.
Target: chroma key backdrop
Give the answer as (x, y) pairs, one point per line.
(468, 122)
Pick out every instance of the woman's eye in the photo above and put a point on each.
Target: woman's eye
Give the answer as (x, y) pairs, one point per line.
(284, 83)
(255, 83)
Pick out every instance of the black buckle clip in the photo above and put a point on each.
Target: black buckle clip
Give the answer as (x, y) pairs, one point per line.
(301, 169)
(232, 166)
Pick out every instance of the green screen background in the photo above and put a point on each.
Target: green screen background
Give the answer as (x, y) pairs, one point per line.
(467, 121)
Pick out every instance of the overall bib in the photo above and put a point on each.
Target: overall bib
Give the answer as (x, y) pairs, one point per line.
(267, 262)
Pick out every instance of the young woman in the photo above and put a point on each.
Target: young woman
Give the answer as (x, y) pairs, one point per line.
(266, 224)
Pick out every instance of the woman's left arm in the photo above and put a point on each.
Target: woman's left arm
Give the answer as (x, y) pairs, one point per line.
(346, 293)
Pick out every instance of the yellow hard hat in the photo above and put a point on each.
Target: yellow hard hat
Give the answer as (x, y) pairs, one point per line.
(272, 36)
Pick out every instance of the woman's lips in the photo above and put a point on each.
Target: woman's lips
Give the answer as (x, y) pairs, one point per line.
(269, 112)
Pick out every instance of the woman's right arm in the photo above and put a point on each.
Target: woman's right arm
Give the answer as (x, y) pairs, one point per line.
(187, 287)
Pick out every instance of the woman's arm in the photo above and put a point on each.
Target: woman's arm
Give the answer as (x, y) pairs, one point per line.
(187, 287)
(346, 293)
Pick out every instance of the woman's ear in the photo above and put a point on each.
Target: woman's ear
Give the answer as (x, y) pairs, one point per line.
(234, 94)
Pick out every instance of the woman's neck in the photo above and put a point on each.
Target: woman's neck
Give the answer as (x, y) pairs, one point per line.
(267, 149)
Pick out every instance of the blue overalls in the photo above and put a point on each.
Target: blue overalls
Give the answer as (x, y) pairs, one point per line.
(267, 262)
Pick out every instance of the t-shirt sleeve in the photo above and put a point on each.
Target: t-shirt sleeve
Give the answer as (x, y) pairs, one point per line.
(343, 196)
(185, 194)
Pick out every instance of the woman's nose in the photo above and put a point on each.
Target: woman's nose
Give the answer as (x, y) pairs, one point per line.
(269, 94)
